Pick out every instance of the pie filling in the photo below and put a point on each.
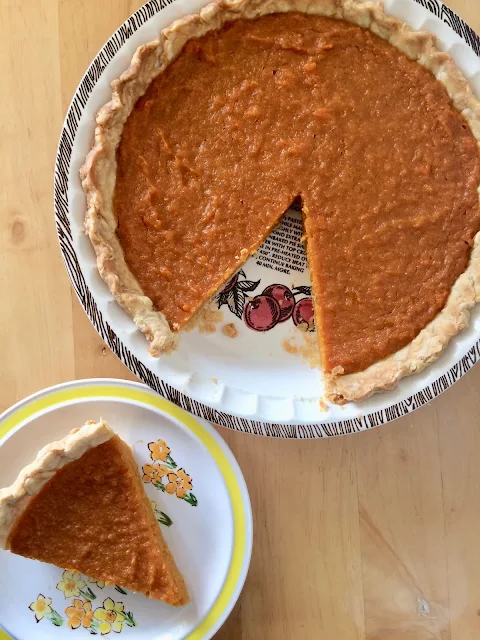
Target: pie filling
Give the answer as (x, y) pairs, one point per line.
(252, 116)
(93, 516)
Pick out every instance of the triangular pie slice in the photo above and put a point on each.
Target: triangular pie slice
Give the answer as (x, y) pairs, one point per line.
(81, 506)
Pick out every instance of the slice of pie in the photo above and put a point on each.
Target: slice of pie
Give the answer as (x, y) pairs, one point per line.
(234, 113)
(81, 505)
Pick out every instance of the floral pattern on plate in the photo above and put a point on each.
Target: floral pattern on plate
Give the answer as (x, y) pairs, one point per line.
(163, 474)
(80, 612)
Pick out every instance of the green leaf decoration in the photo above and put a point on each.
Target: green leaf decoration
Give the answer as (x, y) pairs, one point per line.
(120, 590)
(129, 619)
(171, 462)
(94, 627)
(165, 519)
(87, 594)
(191, 499)
(55, 618)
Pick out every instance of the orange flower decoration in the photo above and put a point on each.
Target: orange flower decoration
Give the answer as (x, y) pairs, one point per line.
(154, 472)
(172, 484)
(185, 478)
(159, 450)
(80, 613)
(178, 483)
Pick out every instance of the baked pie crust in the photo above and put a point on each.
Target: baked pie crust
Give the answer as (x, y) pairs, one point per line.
(99, 177)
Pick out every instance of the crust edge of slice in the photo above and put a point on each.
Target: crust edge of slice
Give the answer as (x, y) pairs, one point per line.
(15, 499)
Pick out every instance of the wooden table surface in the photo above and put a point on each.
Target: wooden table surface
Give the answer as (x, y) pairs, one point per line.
(372, 536)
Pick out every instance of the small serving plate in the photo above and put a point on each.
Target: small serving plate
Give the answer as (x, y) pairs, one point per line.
(208, 530)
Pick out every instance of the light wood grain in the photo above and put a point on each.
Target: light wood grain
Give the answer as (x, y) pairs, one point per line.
(374, 536)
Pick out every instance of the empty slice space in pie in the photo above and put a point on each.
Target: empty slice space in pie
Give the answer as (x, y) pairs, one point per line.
(253, 115)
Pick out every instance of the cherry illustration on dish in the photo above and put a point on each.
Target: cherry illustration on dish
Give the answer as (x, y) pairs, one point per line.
(276, 304)
(262, 313)
(284, 297)
(303, 315)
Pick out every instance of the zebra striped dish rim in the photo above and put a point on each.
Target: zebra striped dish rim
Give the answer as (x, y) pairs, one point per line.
(256, 412)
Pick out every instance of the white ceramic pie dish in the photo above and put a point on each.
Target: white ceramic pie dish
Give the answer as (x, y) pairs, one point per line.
(249, 383)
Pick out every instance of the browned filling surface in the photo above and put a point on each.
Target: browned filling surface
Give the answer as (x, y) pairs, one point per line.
(251, 116)
(93, 517)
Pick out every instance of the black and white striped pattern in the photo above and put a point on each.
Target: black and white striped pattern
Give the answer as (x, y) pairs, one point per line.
(453, 21)
(62, 168)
